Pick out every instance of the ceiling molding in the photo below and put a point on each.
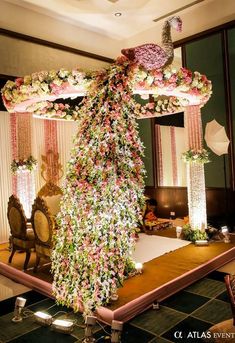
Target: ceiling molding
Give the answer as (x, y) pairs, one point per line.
(53, 45)
(177, 10)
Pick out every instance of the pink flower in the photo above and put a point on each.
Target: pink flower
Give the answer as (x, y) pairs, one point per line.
(19, 81)
(141, 85)
(173, 78)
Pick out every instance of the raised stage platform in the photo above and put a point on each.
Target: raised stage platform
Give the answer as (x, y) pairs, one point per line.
(162, 277)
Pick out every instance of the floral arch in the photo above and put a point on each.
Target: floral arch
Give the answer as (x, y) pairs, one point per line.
(104, 185)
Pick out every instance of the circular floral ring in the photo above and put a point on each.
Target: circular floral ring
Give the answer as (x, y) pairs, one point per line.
(196, 156)
(182, 83)
(42, 86)
(20, 165)
(34, 93)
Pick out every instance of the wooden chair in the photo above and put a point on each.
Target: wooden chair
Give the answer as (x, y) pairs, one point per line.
(22, 236)
(51, 194)
(43, 225)
(227, 327)
(230, 285)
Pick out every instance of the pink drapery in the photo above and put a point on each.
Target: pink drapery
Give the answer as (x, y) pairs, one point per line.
(194, 124)
(173, 157)
(23, 183)
(51, 145)
(174, 166)
(14, 147)
(159, 155)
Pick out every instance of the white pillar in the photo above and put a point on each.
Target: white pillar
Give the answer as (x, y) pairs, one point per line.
(195, 171)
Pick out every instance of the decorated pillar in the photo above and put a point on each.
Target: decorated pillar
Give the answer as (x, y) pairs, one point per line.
(195, 169)
(23, 181)
(51, 168)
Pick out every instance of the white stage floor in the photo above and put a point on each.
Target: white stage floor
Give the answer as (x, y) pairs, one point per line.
(149, 247)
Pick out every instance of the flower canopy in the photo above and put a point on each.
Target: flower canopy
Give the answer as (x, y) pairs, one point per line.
(103, 192)
(34, 93)
(103, 197)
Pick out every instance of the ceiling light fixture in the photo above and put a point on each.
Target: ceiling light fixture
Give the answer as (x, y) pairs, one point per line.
(118, 14)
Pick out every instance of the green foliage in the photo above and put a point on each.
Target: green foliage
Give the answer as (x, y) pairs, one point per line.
(193, 234)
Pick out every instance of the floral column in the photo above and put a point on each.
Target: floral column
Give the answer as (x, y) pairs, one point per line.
(23, 181)
(51, 166)
(195, 169)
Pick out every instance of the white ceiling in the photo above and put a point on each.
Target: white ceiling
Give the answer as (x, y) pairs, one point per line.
(99, 15)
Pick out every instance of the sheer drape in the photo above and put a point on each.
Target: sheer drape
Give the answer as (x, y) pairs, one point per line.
(170, 144)
(5, 174)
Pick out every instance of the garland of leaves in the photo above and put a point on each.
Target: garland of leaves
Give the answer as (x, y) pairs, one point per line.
(28, 164)
(196, 156)
(103, 197)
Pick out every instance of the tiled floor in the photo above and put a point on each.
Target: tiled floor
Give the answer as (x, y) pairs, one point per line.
(194, 309)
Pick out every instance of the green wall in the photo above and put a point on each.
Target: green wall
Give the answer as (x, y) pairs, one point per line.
(231, 50)
(205, 56)
(146, 138)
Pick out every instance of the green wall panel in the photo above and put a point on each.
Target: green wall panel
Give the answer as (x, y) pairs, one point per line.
(231, 50)
(205, 56)
(146, 138)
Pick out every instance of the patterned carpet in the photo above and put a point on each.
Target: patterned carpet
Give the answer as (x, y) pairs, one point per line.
(180, 318)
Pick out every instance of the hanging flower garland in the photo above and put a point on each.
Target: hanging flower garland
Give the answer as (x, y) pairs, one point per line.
(196, 156)
(23, 165)
(103, 196)
(163, 106)
(51, 110)
(104, 185)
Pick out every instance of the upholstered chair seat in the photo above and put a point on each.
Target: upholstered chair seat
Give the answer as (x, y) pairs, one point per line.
(51, 194)
(53, 203)
(43, 225)
(22, 235)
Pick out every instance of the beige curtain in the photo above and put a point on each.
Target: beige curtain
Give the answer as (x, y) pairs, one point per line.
(171, 159)
(5, 174)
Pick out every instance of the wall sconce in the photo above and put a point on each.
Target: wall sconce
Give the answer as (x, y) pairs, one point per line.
(139, 267)
(63, 326)
(116, 331)
(19, 305)
(225, 232)
(178, 231)
(43, 318)
(114, 296)
(156, 305)
(90, 323)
